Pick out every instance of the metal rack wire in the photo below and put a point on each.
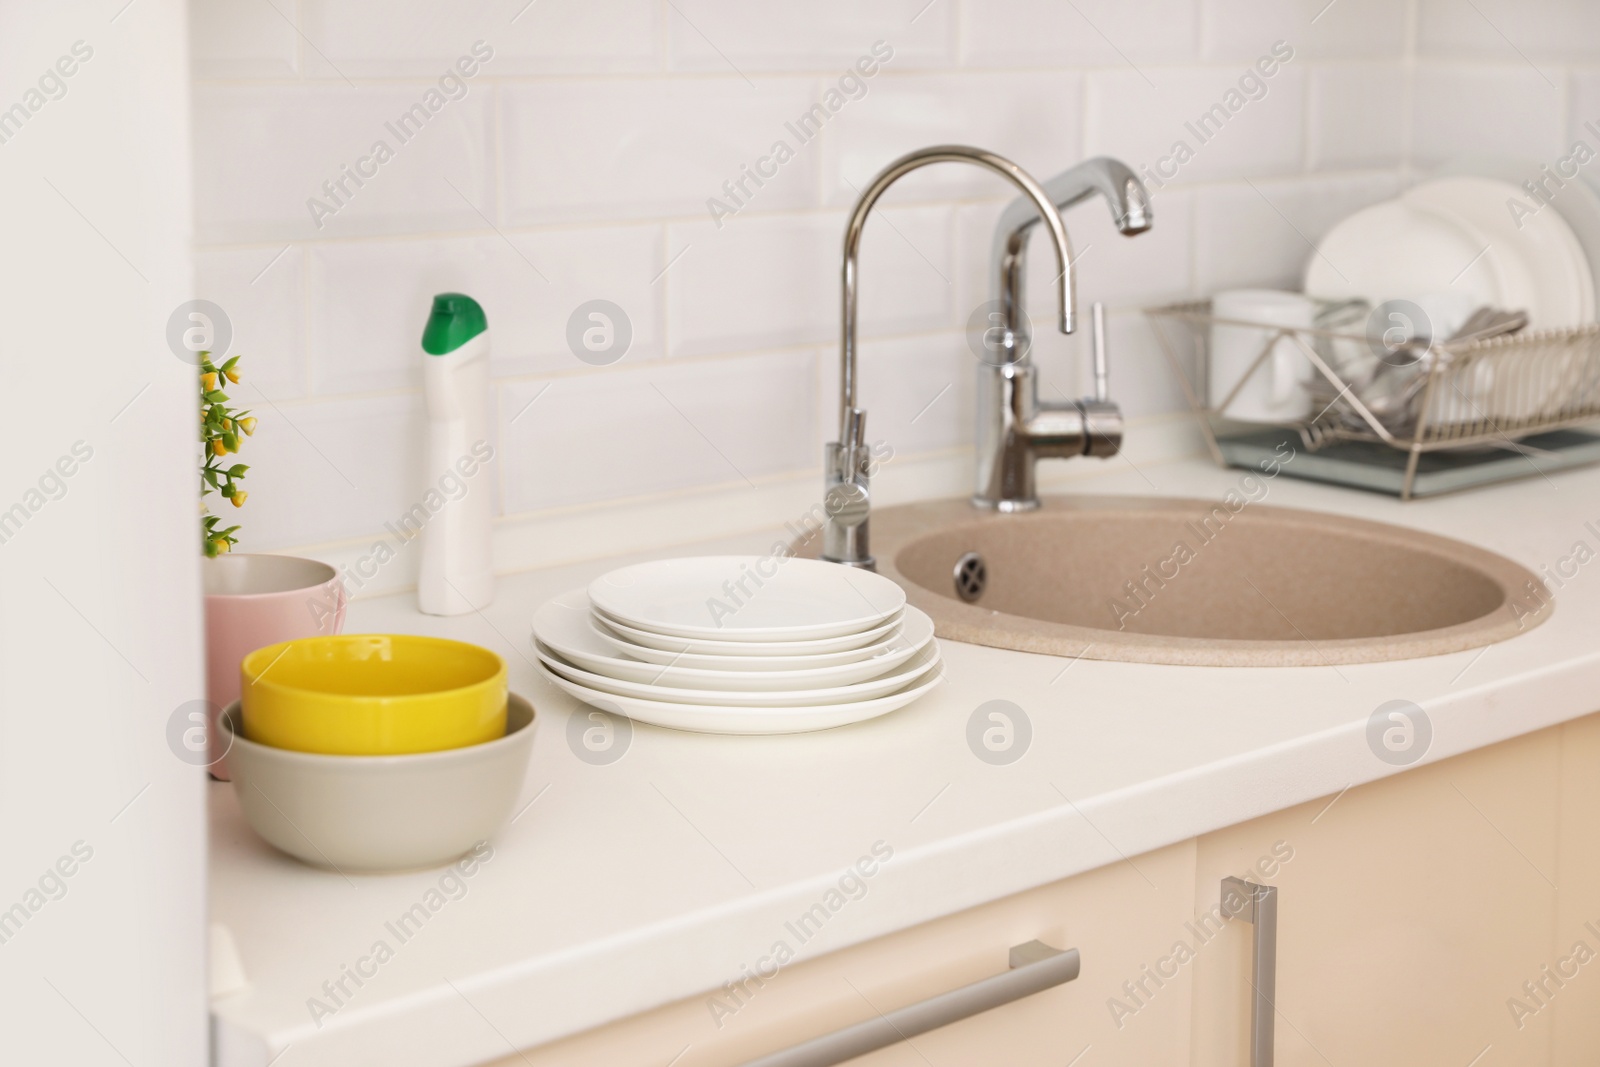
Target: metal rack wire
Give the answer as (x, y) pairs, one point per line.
(1475, 394)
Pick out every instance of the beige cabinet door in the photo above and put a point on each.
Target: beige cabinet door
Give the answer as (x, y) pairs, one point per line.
(1120, 918)
(1411, 912)
(1574, 997)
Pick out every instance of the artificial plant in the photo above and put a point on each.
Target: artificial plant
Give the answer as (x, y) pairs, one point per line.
(220, 430)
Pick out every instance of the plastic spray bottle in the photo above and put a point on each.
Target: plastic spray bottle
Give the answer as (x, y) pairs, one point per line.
(457, 571)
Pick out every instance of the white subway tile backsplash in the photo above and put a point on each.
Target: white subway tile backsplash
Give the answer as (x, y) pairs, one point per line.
(1262, 234)
(640, 148)
(1502, 110)
(764, 282)
(1585, 109)
(1357, 116)
(241, 39)
(734, 36)
(262, 292)
(264, 153)
(327, 471)
(1031, 118)
(667, 427)
(917, 392)
(1509, 31)
(604, 151)
(1189, 124)
(370, 299)
(1101, 33)
(1142, 380)
(1352, 29)
(411, 38)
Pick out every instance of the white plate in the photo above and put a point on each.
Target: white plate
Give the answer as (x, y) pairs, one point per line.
(1389, 251)
(562, 625)
(747, 648)
(1560, 289)
(1578, 201)
(1560, 293)
(712, 662)
(734, 598)
(718, 720)
(898, 678)
(715, 662)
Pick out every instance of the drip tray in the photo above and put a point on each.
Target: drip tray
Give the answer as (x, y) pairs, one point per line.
(1381, 469)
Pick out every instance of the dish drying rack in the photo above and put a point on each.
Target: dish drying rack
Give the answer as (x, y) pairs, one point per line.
(1477, 395)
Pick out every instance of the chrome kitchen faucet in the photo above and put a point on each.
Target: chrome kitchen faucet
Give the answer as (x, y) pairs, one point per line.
(1014, 428)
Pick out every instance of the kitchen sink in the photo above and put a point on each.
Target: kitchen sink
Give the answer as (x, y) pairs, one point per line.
(1200, 582)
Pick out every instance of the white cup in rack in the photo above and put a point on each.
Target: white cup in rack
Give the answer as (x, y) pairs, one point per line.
(1275, 391)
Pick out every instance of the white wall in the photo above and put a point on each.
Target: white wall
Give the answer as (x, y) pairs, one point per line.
(580, 163)
(102, 825)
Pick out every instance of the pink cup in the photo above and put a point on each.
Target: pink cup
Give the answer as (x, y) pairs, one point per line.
(255, 600)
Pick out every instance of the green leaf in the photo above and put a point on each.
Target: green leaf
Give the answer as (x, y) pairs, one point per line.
(237, 470)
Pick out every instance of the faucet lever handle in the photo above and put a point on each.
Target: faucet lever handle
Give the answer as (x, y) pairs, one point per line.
(1102, 371)
(855, 429)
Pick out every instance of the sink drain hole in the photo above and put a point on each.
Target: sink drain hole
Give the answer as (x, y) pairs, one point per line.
(971, 575)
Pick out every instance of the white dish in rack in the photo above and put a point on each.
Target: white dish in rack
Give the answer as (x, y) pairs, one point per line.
(1552, 277)
(721, 720)
(746, 598)
(562, 625)
(1390, 251)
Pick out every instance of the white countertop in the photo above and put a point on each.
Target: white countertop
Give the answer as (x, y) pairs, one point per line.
(627, 886)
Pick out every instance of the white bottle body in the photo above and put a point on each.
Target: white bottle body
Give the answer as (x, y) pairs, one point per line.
(457, 569)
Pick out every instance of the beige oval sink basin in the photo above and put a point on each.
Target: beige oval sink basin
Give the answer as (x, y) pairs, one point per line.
(1190, 582)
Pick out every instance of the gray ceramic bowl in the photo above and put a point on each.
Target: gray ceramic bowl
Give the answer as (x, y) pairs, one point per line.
(380, 813)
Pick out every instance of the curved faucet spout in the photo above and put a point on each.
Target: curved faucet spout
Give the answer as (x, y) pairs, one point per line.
(1130, 208)
(1036, 202)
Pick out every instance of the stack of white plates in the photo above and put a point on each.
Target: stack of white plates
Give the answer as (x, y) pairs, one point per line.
(739, 644)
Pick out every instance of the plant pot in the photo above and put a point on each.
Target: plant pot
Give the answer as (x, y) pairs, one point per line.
(253, 600)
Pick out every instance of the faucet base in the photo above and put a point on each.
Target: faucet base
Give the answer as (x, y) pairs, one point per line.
(1005, 507)
(868, 564)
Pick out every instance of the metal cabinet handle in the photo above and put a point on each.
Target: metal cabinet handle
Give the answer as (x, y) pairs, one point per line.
(1035, 967)
(1258, 905)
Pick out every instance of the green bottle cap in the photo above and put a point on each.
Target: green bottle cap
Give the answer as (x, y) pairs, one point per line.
(455, 320)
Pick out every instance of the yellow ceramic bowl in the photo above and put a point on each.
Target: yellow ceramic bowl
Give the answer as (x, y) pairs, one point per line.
(372, 695)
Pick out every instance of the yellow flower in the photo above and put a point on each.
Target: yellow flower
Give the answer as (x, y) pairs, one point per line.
(218, 448)
(208, 381)
(238, 498)
(248, 425)
(232, 375)
(220, 545)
